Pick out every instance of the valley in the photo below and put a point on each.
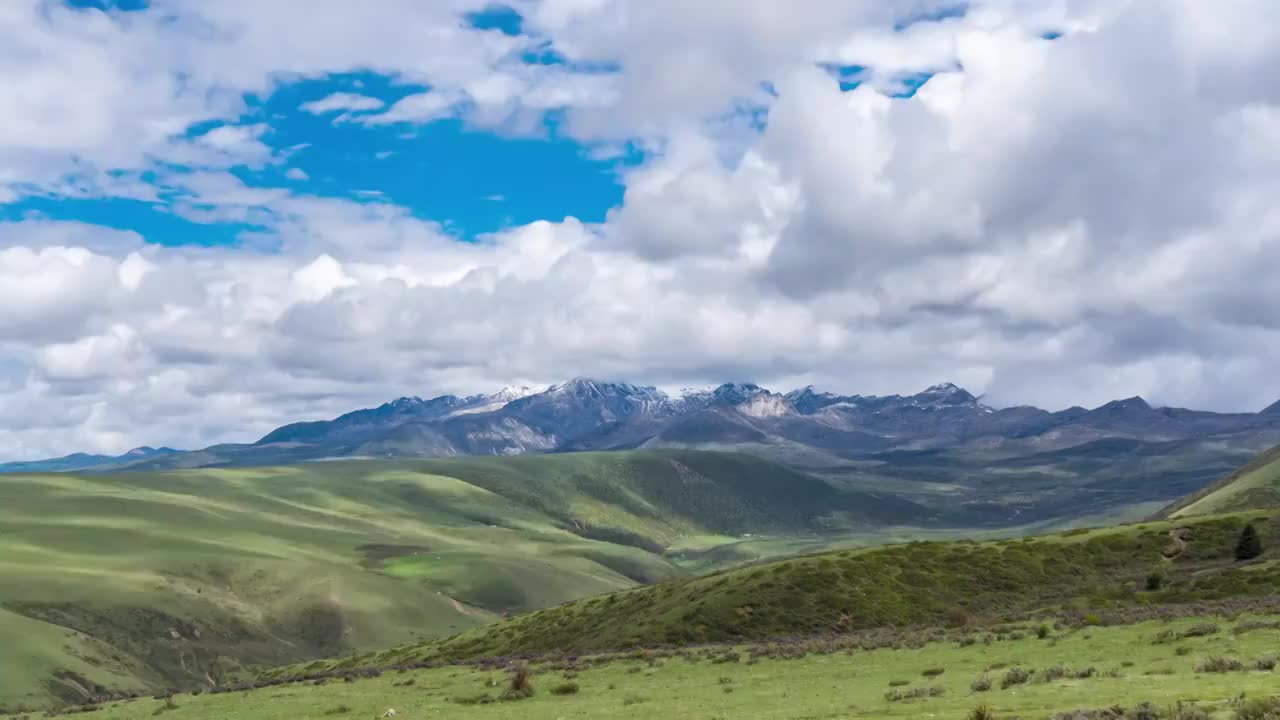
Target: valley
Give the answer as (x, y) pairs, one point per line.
(123, 581)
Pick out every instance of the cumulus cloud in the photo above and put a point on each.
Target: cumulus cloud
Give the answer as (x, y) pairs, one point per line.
(1048, 221)
(349, 102)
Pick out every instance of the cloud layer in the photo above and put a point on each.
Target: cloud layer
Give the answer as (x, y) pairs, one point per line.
(1052, 222)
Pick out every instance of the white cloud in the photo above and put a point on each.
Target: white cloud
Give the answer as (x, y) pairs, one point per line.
(418, 108)
(1051, 222)
(349, 102)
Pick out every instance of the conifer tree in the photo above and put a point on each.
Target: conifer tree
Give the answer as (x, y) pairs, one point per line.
(1249, 546)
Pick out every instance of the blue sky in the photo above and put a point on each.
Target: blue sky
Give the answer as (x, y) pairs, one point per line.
(471, 180)
(869, 197)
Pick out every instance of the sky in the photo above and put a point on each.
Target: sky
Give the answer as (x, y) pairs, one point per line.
(219, 217)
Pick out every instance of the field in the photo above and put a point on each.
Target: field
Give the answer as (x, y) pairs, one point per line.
(140, 582)
(1072, 667)
(917, 583)
(173, 579)
(1257, 484)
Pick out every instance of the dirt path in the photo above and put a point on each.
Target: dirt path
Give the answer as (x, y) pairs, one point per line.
(1177, 542)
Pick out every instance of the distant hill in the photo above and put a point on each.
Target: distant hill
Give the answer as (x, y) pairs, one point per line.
(951, 459)
(1254, 486)
(84, 461)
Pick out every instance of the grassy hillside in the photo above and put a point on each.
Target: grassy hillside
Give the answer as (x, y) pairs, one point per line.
(872, 677)
(174, 579)
(1256, 485)
(919, 583)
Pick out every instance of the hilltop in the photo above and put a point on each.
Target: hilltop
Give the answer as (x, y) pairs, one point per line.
(1256, 485)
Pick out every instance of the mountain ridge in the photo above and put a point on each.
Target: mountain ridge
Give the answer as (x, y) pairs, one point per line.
(805, 426)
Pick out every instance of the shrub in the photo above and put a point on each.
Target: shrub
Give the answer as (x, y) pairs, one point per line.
(956, 617)
(632, 700)
(982, 712)
(339, 710)
(1220, 665)
(1267, 663)
(913, 693)
(480, 699)
(1042, 631)
(565, 688)
(933, 672)
(1187, 712)
(1199, 630)
(1251, 625)
(1050, 674)
(1014, 676)
(899, 683)
(519, 686)
(982, 683)
(1155, 579)
(1249, 546)
(1259, 709)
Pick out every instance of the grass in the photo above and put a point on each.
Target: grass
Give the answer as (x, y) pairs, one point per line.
(918, 583)
(159, 579)
(1255, 485)
(154, 580)
(183, 578)
(813, 682)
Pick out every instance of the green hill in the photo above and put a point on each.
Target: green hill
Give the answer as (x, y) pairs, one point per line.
(920, 583)
(135, 581)
(1256, 485)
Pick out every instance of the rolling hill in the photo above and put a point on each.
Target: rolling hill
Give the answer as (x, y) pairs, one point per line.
(1256, 485)
(915, 584)
(135, 580)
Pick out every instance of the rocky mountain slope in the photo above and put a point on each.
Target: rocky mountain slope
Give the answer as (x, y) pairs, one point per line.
(803, 427)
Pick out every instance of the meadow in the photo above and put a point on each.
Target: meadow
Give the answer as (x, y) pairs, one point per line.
(1032, 670)
(132, 581)
(136, 583)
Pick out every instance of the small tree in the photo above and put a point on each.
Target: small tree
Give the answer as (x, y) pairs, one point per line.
(1249, 546)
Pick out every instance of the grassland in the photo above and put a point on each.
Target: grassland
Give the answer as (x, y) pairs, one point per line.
(919, 583)
(182, 578)
(128, 582)
(1070, 668)
(1255, 485)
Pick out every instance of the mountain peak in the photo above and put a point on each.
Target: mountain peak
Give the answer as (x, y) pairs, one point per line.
(147, 450)
(1131, 403)
(1272, 409)
(404, 403)
(807, 400)
(945, 394)
(736, 393)
(514, 392)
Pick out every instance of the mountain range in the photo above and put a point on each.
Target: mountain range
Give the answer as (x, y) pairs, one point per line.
(86, 461)
(803, 427)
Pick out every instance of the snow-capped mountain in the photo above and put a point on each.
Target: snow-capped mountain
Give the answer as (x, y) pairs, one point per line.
(819, 427)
